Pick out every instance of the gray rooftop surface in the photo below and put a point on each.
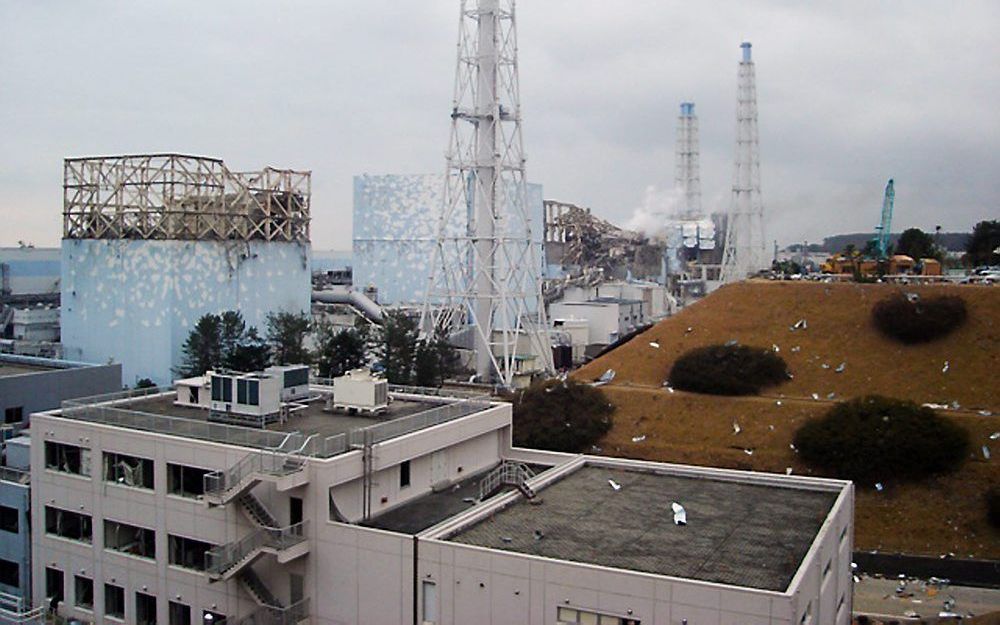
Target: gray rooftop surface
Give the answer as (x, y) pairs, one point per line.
(415, 516)
(740, 534)
(312, 420)
(9, 369)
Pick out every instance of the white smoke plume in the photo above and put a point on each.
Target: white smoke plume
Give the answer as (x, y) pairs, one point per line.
(658, 206)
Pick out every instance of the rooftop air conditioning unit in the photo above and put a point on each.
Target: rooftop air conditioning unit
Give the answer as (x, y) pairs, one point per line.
(294, 381)
(360, 391)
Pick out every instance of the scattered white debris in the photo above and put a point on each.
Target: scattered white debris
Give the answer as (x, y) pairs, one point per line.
(539, 535)
(732, 342)
(771, 427)
(788, 470)
(748, 452)
(680, 514)
(615, 485)
(654, 344)
(831, 395)
(777, 403)
(946, 366)
(736, 428)
(913, 297)
(469, 499)
(638, 439)
(815, 396)
(796, 349)
(986, 452)
(775, 348)
(879, 487)
(985, 413)
(995, 436)
(506, 539)
(689, 330)
(801, 324)
(792, 447)
(825, 366)
(857, 580)
(840, 368)
(935, 406)
(606, 377)
(670, 389)
(955, 405)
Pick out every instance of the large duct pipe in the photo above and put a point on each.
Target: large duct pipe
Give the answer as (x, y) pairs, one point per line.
(346, 295)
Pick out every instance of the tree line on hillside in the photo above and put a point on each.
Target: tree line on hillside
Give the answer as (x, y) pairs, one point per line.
(225, 342)
(980, 247)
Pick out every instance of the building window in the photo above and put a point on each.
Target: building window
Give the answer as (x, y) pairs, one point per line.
(83, 592)
(13, 415)
(404, 474)
(186, 481)
(145, 609)
(128, 470)
(9, 519)
(429, 592)
(135, 541)
(114, 601)
(9, 573)
(68, 524)
(67, 458)
(188, 552)
(180, 614)
(55, 589)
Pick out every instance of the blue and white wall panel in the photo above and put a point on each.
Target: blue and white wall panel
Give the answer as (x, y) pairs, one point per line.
(396, 227)
(135, 301)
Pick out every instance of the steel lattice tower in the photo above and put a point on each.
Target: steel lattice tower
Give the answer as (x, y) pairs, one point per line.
(687, 177)
(745, 247)
(486, 275)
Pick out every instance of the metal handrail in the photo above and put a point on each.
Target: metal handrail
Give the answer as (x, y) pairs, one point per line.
(267, 462)
(514, 473)
(268, 615)
(220, 559)
(428, 418)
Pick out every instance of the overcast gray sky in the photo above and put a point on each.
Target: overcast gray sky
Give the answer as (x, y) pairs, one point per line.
(850, 94)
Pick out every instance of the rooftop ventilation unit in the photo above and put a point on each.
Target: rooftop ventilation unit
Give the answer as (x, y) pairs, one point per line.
(245, 398)
(294, 381)
(360, 391)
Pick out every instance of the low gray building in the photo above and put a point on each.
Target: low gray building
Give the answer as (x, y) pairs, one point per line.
(29, 384)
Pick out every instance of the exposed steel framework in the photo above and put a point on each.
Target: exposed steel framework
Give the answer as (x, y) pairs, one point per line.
(745, 250)
(182, 197)
(486, 278)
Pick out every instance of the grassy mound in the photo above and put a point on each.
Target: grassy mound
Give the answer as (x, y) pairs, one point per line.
(916, 319)
(561, 416)
(878, 439)
(728, 370)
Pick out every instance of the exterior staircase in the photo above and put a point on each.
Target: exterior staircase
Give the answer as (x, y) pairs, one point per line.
(507, 473)
(285, 470)
(255, 511)
(256, 588)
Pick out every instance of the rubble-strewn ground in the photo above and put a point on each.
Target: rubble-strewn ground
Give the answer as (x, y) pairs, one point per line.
(937, 516)
(878, 596)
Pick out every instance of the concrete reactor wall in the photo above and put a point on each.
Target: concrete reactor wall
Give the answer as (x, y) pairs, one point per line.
(135, 301)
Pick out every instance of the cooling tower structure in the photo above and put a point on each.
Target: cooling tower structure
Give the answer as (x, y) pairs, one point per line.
(485, 286)
(745, 251)
(151, 242)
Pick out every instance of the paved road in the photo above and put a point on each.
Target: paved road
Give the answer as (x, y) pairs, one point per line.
(878, 596)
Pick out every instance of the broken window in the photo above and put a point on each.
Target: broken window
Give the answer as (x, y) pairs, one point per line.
(9, 573)
(128, 470)
(83, 594)
(572, 616)
(67, 458)
(135, 541)
(68, 524)
(180, 614)
(114, 601)
(404, 474)
(13, 415)
(54, 584)
(10, 519)
(188, 552)
(145, 609)
(186, 481)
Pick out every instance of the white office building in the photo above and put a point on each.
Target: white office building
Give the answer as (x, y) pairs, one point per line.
(145, 511)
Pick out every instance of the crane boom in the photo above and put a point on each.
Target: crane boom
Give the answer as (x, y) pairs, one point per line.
(882, 236)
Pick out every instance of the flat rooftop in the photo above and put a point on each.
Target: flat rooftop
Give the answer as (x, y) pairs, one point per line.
(742, 534)
(427, 511)
(9, 369)
(312, 420)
